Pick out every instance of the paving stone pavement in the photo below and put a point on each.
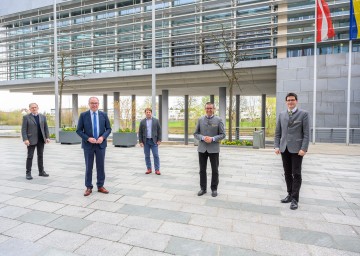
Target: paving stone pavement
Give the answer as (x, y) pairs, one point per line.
(162, 215)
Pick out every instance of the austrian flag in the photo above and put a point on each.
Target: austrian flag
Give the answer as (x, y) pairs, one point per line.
(324, 26)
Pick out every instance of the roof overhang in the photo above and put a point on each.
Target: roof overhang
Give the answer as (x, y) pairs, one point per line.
(256, 78)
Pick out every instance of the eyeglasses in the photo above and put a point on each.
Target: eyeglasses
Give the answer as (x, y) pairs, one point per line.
(290, 100)
(209, 108)
(94, 103)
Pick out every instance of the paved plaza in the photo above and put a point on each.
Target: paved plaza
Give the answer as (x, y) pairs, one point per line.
(162, 215)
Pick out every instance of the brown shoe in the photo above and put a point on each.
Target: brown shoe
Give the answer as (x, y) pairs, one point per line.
(157, 172)
(87, 191)
(103, 190)
(148, 171)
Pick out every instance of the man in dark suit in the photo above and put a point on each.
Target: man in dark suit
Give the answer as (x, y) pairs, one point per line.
(209, 131)
(292, 141)
(94, 128)
(150, 139)
(35, 133)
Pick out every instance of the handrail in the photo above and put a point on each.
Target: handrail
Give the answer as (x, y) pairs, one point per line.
(335, 128)
(259, 127)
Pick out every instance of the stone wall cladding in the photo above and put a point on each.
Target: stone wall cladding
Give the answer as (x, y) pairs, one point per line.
(296, 75)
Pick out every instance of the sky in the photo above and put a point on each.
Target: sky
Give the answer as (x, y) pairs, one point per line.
(17, 101)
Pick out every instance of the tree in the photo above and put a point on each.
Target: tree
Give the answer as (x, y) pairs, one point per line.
(253, 107)
(222, 49)
(270, 112)
(65, 73)
(126, 108)
(146, 104)
(193, 106)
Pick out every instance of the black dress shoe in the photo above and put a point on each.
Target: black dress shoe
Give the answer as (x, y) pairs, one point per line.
(294, 205)
(214, 193)
(28, 176)
(286, 199)
(201, 192)
(43, 174)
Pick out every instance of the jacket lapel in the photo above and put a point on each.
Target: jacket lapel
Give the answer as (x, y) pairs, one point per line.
(101, 122)
(32, 118)
(40, 120)
(88, 117)
(153, 130)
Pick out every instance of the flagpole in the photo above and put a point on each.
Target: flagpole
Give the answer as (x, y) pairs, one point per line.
(351, 36)
(315, 77)
(153, 59)
(56, 77)
(348, 97)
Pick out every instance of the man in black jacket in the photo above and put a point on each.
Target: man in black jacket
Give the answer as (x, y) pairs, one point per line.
(35, 134)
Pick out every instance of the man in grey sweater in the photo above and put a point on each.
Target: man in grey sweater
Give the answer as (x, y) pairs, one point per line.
(209, 132)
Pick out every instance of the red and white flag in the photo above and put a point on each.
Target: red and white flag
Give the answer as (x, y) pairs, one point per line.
(324, 27)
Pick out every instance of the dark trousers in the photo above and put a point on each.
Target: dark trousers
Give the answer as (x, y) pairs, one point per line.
(292, 171)
(40, 156)
(214, 160)
(90, 154)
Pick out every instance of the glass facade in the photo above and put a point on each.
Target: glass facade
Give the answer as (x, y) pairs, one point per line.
(110, 36)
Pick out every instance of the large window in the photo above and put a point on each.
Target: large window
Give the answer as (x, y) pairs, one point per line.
(115, 35)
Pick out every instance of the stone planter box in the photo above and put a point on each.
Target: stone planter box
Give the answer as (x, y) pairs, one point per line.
(69, 138)
(124, 139)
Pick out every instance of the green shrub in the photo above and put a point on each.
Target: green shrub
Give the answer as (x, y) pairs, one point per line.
(126, 130)
(237, 142)
(247, 142)
(69, 129)
(52, 136)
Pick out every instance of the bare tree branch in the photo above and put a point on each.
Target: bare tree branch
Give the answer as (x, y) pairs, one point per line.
(224, 42)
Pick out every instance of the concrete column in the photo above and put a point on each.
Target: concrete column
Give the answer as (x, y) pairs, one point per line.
(263, 111)
(222, 104)
(186, 120)
(165, 115)
(237, 117)
(75, 109)
(105, 99)
(160, 109)
(116, 125)
(212, 98)
(133, 112)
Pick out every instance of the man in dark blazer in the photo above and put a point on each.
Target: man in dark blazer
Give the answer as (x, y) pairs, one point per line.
(94, 128)
(292, 141)
(150, 139)
(35, 133)
(209, 132)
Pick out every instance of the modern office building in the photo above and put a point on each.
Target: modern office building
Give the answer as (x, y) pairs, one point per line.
(105, 48)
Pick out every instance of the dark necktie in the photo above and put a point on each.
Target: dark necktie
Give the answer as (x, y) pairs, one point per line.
(290, 118)
(95, 126)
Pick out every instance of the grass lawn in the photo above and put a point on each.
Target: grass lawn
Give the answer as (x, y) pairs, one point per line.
(177, 126)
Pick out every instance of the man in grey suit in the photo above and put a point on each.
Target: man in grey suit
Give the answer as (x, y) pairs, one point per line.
(35, 133)
(292, 141)
(150, 139)
(209, 131)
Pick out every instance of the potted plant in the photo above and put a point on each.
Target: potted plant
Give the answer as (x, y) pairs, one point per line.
(124, 138)
(68, 135)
